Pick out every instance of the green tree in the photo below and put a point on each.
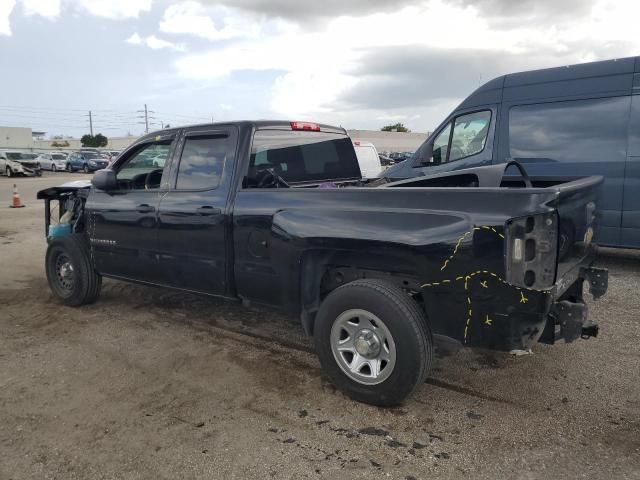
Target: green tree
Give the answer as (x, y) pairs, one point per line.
(97, 140)
(397, 127)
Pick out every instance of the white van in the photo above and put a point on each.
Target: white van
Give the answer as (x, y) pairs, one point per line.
(368, 159)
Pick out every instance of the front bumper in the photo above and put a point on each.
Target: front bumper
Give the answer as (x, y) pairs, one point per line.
(29, 172)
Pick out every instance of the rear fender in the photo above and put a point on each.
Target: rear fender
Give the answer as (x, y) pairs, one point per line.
(322, 272)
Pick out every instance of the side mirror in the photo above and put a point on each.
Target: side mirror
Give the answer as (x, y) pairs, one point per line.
(426, 158)
(104, 180)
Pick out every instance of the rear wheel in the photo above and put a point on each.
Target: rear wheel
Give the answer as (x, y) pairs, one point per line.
(373, 341)
(70, 273)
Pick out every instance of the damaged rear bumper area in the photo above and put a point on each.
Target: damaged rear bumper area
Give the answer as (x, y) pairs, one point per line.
(568, 317)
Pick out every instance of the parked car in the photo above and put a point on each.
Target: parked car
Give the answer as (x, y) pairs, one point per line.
(16, 163)
(372, 273)
(385, 160)
(398, 156)
(583, 119)
(368, 159)
(54, 161)
(86, 160)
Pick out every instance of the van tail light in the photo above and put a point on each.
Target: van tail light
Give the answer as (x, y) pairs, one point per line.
(313, 127)
(532, 250)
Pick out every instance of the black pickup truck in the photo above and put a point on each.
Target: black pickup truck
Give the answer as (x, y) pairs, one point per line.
(275, 213)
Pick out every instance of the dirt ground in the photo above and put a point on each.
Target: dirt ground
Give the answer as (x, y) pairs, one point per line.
(149, 383)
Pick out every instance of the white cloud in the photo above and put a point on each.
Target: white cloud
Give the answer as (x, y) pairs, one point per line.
(157, 43)
(134, 39)
(45, 8)
(319, 65)
(6, 7)
(154, 42)
(192, 18)
(115, 9)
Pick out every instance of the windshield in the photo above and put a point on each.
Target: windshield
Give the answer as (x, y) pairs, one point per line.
(298, 156)
(89, 155)
(20, 156)
(58, 156)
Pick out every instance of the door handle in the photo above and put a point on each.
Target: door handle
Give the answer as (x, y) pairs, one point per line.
(145, 208)
(208, 210)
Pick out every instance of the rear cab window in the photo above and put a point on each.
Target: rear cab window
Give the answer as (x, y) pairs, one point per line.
(302, 157)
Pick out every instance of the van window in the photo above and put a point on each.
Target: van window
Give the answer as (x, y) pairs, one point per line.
(469, 134)
(441, 145)
(469, 137)
(593, 130)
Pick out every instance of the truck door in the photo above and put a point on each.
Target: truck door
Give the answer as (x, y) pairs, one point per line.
(465, 141)
(193, 217)
(122, 223)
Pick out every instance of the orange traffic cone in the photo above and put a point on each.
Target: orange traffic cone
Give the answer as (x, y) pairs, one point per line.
(16, 198)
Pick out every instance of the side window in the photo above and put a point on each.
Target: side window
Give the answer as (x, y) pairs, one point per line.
(202, 162)
(593, 130)
(143, 169)
(469, 135)
(441, 145)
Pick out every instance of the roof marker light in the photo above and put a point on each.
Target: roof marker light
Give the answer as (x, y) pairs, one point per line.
(314, 127)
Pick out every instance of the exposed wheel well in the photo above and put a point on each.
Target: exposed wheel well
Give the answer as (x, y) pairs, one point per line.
(323, 272)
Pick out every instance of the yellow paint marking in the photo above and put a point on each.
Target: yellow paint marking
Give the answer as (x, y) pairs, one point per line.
(523, 299)
(488, 321)
(484, 284)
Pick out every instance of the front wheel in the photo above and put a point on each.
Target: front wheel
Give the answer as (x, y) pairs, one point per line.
(70, 272)
(85, 169)
(53, 168)
(69, 169)
(9, 172)
(373, 341)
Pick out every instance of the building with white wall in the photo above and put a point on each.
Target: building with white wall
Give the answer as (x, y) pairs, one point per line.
(15, 137)
(23, 138)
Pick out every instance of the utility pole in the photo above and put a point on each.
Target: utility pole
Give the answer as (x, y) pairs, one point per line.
(90, 122)
(146, 117)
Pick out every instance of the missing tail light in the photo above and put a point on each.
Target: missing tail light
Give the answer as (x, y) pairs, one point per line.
(532, 244)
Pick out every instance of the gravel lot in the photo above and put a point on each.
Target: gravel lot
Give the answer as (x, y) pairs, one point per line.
(149, 383)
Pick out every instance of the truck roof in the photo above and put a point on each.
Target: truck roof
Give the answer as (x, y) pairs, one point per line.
(257, 124)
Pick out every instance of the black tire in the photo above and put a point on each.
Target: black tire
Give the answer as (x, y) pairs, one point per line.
(407, 324)
(85, 168)
(83, 287)
(8, 172)
(53, 168)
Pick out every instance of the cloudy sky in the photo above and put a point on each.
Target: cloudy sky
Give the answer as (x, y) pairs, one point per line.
(356, 63)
